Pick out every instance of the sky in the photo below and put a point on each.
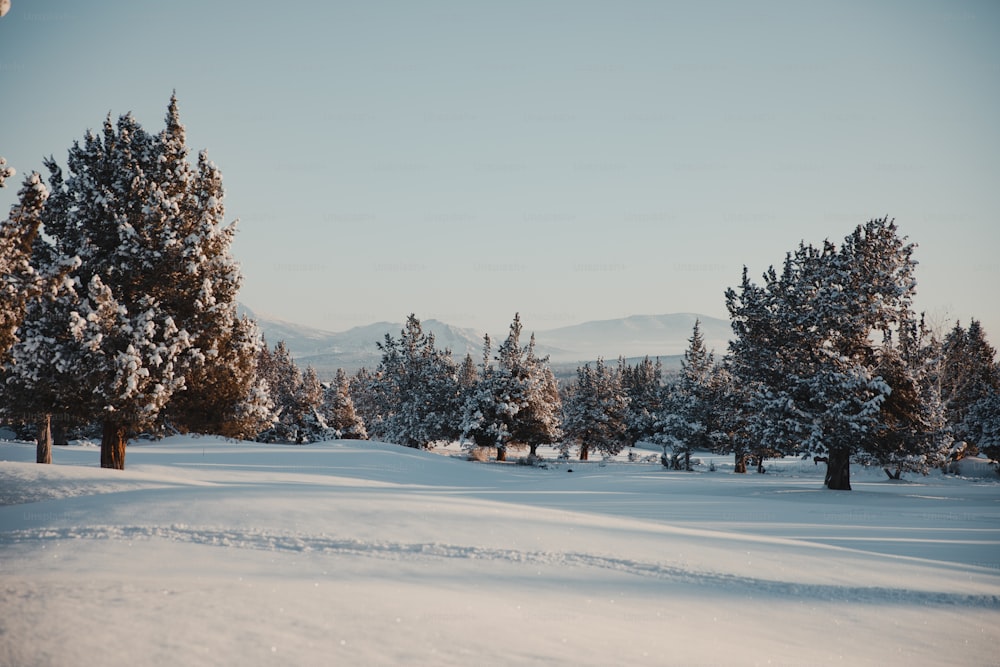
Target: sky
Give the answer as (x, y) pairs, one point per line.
(571, 161)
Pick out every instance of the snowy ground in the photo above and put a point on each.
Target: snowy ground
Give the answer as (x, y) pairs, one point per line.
(354, 553)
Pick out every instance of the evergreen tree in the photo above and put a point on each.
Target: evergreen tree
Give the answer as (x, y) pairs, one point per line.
(526, 395)
(804, 342)
(482, 424)
(34, 350)
(417, 390)
(311, 425)
(595, 412)
(206, 302)
(643, 385)
(510, 386)
(514, 403)
(687, 417)
(539, 420)
(231, 399)
(982, 424)
(968, 373)
(367, 400)
(912, 434)
(468, 375)
(338, 409)
(284, 383)
(19, 282)
(154, 267)
(731, 434)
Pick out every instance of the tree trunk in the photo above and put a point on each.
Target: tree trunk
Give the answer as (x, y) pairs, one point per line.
(113, 445)
(687, 460)
(741, 463)
(838, 470)
(43, 453)
(501, 453)
(533, 452)
(584, 452)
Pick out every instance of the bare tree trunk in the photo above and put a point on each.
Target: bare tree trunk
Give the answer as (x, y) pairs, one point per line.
(533, 451)
(838, 470)
(584, 452)
(741, 463)
(113, 445)
(501, 452)
(43, 453)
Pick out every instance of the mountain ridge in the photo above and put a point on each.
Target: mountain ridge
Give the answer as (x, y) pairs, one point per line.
(636, 336)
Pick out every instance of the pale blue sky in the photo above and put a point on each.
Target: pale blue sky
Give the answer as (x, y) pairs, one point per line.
(570, 160)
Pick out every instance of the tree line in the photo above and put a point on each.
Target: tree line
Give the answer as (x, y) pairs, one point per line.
(119, 312)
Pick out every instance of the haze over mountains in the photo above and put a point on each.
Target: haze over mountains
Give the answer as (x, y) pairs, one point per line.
(664, 336)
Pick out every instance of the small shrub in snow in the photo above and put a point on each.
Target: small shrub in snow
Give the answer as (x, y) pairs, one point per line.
(480, 454)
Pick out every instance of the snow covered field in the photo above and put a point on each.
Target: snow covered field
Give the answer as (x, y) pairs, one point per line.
(354, 553)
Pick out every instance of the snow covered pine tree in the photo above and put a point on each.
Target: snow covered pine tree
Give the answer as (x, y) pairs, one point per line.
(517, 402)
(595, 413)
(154, 281)
(417, 390)
(23, 290)
(806, 341)
(687, 417)
(338, 409)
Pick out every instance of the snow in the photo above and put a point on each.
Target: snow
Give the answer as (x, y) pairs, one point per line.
(206, 551)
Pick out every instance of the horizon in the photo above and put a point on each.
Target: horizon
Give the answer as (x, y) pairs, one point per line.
(573, 162)
(262, 314)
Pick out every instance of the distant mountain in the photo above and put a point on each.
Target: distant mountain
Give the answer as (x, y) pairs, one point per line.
(664, 336)
(300, 340)
(635, 336)
(326, 351)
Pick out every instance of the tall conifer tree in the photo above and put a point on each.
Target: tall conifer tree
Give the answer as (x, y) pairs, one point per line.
(155, 276)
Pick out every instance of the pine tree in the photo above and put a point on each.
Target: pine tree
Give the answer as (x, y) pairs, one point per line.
(206, 303)
(416, 389)
(804, 343)
(284, 384)
(643, 385)
(482, 424)
(731, 434)
(311, 426)
(969, 372)
(539, 420)
(526, 396)
(982, 424)
(913, 432)
(595, 411)
(510, 386)
(514, 403)
(230, 399)
(687, 415)
(19, 281)
(467, 374)
(338, 409)
(153, 250)
(34, 383)
(367, 400)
